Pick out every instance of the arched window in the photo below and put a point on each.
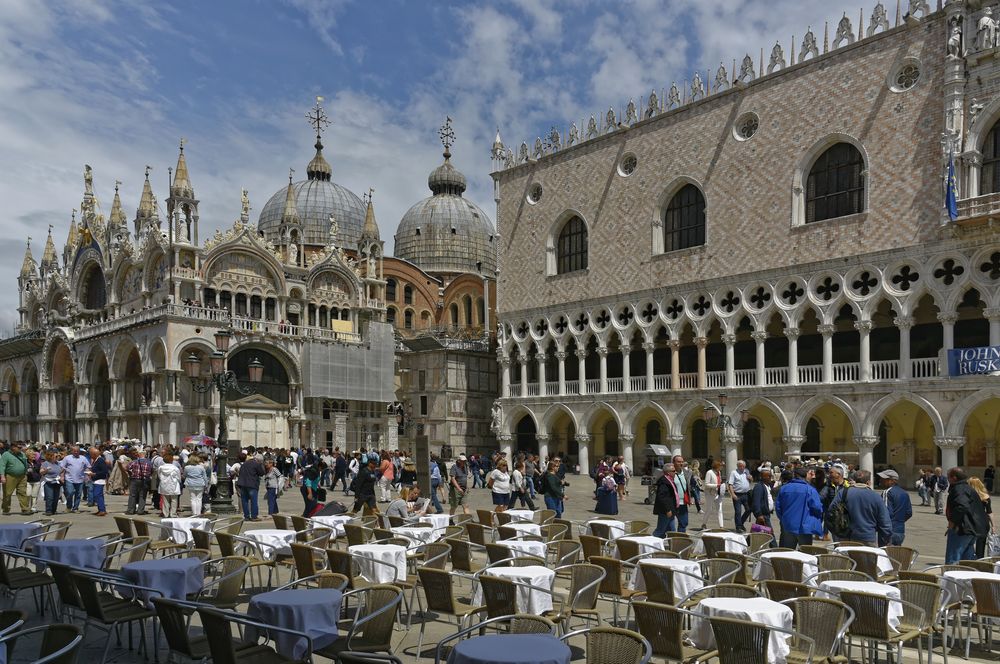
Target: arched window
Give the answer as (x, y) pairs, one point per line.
(989, 176)
(467, 302)
(454, 314)
(408, 294)
(390, 290)
(836, 186)
(408, 319)
(390, 315)
(684, 220)
(699, 440)
(571, 249)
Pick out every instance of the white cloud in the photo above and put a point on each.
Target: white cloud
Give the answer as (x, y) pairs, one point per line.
(323, 17)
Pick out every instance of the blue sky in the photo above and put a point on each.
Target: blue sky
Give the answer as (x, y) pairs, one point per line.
(115, 84)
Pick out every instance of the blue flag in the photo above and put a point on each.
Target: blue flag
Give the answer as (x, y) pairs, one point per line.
(951, 193)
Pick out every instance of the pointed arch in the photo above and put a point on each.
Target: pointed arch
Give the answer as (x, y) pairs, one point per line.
(514, 415)
(878, 410)
(549, 416)
(631, 417)
(693, 405)
(770, 405)
(962, 411)
(592, 411)
(810, 405)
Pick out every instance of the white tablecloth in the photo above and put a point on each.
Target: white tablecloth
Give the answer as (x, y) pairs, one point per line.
(335, 523)
(521, 515)
(647, 543)
(683, 584)
(393, 554)
(832, 588)
(735, 542)
(617, 527)
(419, 535)
(525, 528)
(436, 520)
(528, 600)
(884, 563)
(525, 548)
(763, 571)
(962, 583)
(276, 538)
(756, 609)
(181, 532)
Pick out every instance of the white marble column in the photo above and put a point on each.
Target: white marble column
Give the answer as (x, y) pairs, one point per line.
(731, 449)
(759, 337)
(626, 350)
(676, 445)
(172, 429)
(993, 316)
(701, 343)
(864, 328)
(904, 324)
(866, 445)
(730, 341)
(627, 442)
(947, 321)
(523, 360)
(602, 353)
(827, 332)
(581, 358)
(650, 348)
(583, 456)
(543, 447)
(949, 446)
(793, 445)
(792, 334)
(505, 440)
(675, 364)
(561, 356)
(505, 376)
(540, 358)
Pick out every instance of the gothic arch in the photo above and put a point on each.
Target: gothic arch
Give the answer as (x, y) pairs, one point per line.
(663, 201)
(797, 424)
(964, 408)
(801, 173)
(514, 415)
(692, 405)
(750, 402)
(550, 415)
(551, 257)
(632, 415)
(175, 360)
(290, 364)
(979, 128)
(118, 359)
(878, 410)
(597, 407)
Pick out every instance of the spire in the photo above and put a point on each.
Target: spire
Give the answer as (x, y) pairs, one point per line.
(73, 232)
(446, 179)
(181, 186)
(147, 204)
(370, 230)
(28, 267)
(318, 168)
(117, 217)
(49, 260)
(291, 214)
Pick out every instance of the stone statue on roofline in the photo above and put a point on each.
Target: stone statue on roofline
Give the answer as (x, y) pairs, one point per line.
(631, 115)
(986, 30)
(697, 88)
(522, 153)
(574, 135)
(955, 40)
(777, 58)
(653, 106)
(721, 78)
(591, 127)
(610, 122)
(674, 96)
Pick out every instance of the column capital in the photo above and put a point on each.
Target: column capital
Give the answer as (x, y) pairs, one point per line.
(730, 441)
(863, 325)
(949, 442)
(602, 351)
(826, 330)
(522, 358)
(583, 438)
(904, 322)
(701, 342)
(758, 335)
(649, 346)
(948, 317)
(729, 339)
(560, 355)
(505, 437)
(865, 443)
(991, 313)
(581, 353)
(675, 439)
(503, 359)
(792, 333)
(542, 437)
(541, 357)
(674, 344)
(793, 443)
(909, 443)
(626, 438)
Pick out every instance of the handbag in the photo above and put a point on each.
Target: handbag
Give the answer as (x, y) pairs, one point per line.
(321, 494)
(993, 545)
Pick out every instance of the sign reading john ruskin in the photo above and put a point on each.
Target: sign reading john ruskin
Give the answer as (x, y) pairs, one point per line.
(971, 361)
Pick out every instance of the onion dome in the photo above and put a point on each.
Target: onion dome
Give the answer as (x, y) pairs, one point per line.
(445, 232)
(181, 186)
(28, 267)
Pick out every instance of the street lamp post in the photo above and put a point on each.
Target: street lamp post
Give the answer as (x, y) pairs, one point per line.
(730, 432)
(223, 380)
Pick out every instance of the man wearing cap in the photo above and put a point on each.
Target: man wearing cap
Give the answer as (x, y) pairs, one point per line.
(898, 503)
(458, 482)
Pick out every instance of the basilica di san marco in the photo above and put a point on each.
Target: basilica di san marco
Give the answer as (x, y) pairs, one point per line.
(118, 329)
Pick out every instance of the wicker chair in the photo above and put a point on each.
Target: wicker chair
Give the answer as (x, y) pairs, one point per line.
(60, 644)
(309, 560)
(372, 627)
(904, 556)
(130, 550)
(867, 562)
(837, 575)
(759, 541)
(342, 562)
(478, 533)
(743, 574)
(933, 600)
(203, 539)
(827, 562)
(570, 530)
(502, 518)
(173, 617)
(978, 565)
(637, 527)
(506, 532)
(227, 545)
(461, 557)
(439, 593)
(628, 549)
(18, 578)
(813, 549)
(518, 623)
(496, 553)
(542, 517)
(871, 623)
(435, 555)
(612, 644)
(825, 622)
(718, 590)
(682, 545)
(779, 591)
(602, 530)
(162, 543)
(564, 552)
(223, 582)
(357, 535)
(499, 596)
(223, 648)
(719, 570)
(460, 519)
(593, 546)
(663, 627)
(485, 517)
(742, 642)
(987, 594)
(380, 535)
(581, 599)
(396, 521)
(553, 532)
(659, 582)
(124, 525)
(785, 569)
(613, 587)
(108, 613)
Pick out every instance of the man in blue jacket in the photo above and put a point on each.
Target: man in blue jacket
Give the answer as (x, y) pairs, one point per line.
(869, 516)
(897, 501)
(799, 510)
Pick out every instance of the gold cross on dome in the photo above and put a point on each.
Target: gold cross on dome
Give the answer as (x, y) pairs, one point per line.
(447, 134)
(317, 117)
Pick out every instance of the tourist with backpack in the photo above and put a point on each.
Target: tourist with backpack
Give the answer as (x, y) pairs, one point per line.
(867, 516)
(799, 511)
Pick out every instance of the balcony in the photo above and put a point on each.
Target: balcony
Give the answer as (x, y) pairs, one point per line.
(883, 371)
(152, 315)
(253, 326)
(981, 209)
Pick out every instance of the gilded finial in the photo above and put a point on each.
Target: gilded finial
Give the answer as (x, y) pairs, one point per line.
(447, 135)
(318, 118)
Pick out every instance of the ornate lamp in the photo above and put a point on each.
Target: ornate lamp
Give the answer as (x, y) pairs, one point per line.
(256, 370)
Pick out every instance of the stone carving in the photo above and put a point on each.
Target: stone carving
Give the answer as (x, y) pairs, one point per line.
(777, 58)
(673, 97)
(747, 72)
(808, 46)
(974, 109)
(986, 31)
(721, 78)
(508, 158)
(555, 140)
(653, 105)
(522, 153)
(631, 115)
(334, 230)
(496, 416)
(919, 6)
(539, 151)
(245, 205)
(844, 32)
(592, 128)
(878, 20)
(610, 123)
(697, 88)
(955, 40)
(88, 180)
(574, 135)
(293, 254)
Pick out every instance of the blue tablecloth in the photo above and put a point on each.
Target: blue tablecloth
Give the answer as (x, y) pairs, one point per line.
(313, 611)
(73, 552)
(175, 578)
(12, 534)
(510, 649)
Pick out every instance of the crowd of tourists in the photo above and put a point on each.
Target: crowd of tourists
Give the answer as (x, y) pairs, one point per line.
(798, 502)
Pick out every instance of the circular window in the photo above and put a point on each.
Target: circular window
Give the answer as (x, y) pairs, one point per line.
(906, 76)
(535, 193)
(627, 165)
(746, 126)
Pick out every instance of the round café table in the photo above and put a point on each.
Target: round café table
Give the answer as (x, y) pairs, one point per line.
(524, 528)
(312, 611)
(393, 554)
(528, 599)
(12, 535)
(832, 590)
(521, 515)
(883, 562)
(753, 609)
(521, 548)
(735, 542)
(334, 523)
(510, 649)
(616, 527)
(418, 535)
(87, 553)
(684, 584)
(810, 564)
(180, 527)
(279, 541)
(961, 582)
(174, 578)
(436, 520)
(647, 543)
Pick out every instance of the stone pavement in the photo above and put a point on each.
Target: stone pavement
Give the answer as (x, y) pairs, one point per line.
(925, 532)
